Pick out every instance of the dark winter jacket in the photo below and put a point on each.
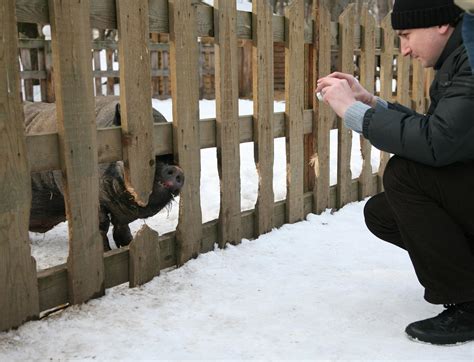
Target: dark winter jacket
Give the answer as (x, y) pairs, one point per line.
(446, 133)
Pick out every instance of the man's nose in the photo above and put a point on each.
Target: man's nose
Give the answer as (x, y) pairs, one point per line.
(406, 50)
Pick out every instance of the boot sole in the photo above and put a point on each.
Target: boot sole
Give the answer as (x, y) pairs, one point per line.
(454, 344)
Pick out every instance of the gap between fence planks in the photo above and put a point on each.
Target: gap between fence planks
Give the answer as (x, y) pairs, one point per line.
(262, 53)
(185, 90)
(344, 175)
(78, 145)
(367, 80)
(227, 121)
(294, 97)
(19, 300)
(135, 99)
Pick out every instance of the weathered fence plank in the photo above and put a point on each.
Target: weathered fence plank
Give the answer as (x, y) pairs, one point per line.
(321, 112)
(262, 53)
(185, 91)
(294, 96)
(71, 41)
(144, 252)
(386, 77)
(346, 54)
(227, 121)
(403, 80)
(367, 80)
(18, 284)
(418, 94)
(135, 98)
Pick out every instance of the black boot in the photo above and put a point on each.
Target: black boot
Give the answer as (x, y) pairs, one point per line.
(454, 325)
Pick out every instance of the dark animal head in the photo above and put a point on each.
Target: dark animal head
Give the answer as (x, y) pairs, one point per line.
(169, 177)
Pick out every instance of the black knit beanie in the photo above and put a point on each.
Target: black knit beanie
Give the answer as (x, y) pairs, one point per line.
(411, 14)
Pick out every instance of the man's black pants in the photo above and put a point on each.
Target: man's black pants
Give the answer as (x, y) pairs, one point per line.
(429, 211)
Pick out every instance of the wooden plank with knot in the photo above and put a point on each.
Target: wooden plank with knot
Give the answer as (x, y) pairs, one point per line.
(135, 98)
(227, 121)
(185, 91)
(294, 96)
(77, 135)
(19, 299)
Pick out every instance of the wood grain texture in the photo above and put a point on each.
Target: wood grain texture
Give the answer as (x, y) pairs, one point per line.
(262, 53)
(367, 80)
(185, 92)
(19, 299)
(227, 121)
(346, 54)
(386, 76)
(71, 41)
(322, 113)
(135, 98)
(418, 93)
(144, 256)
(294, 97)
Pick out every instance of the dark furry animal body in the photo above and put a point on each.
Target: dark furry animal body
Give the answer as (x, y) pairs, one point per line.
(116, 204)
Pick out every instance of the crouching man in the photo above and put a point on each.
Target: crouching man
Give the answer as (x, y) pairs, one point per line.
(428, 204)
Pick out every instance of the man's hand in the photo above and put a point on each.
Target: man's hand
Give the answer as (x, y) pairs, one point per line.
(337, 93)
(359, 92)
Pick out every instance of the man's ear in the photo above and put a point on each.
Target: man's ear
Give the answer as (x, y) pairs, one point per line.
(443, 29)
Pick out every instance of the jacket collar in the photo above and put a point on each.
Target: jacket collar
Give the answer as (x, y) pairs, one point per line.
(454, 41)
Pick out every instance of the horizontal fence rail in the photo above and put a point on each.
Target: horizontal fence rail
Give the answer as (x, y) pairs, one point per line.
(180, 29)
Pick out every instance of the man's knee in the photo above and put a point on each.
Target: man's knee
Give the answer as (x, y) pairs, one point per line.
(372, 210)
(395, 172)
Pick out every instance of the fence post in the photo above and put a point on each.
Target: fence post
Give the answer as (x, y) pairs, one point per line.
(262, 56)
(135, 98)
(367, 80)
(18, 282)
(77, 135)
(321, 112)
(185, 91)
(386, 76)
(227, 121)
(294, 97)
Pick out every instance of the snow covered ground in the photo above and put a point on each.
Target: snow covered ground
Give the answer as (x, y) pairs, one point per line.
(321, 289)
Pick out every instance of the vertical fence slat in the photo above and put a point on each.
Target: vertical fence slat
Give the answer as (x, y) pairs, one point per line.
(386, 77)
(50, 92)
(403, 80)
(71, 41)
(418, 93)
(321, 112)
(185, 91)
(144, 257)
(109, 59)
(227, 121)
(25, 55)
(367, 80)
(263, 95)
(97, 80)
(135, 98)
(42, 66)
(346, 54)
(18, 283)
(154, 66)
(294, 96)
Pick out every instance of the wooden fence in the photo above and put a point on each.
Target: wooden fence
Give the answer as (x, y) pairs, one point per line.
(78, 147)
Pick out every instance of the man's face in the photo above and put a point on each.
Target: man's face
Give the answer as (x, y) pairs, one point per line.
(425, 44)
